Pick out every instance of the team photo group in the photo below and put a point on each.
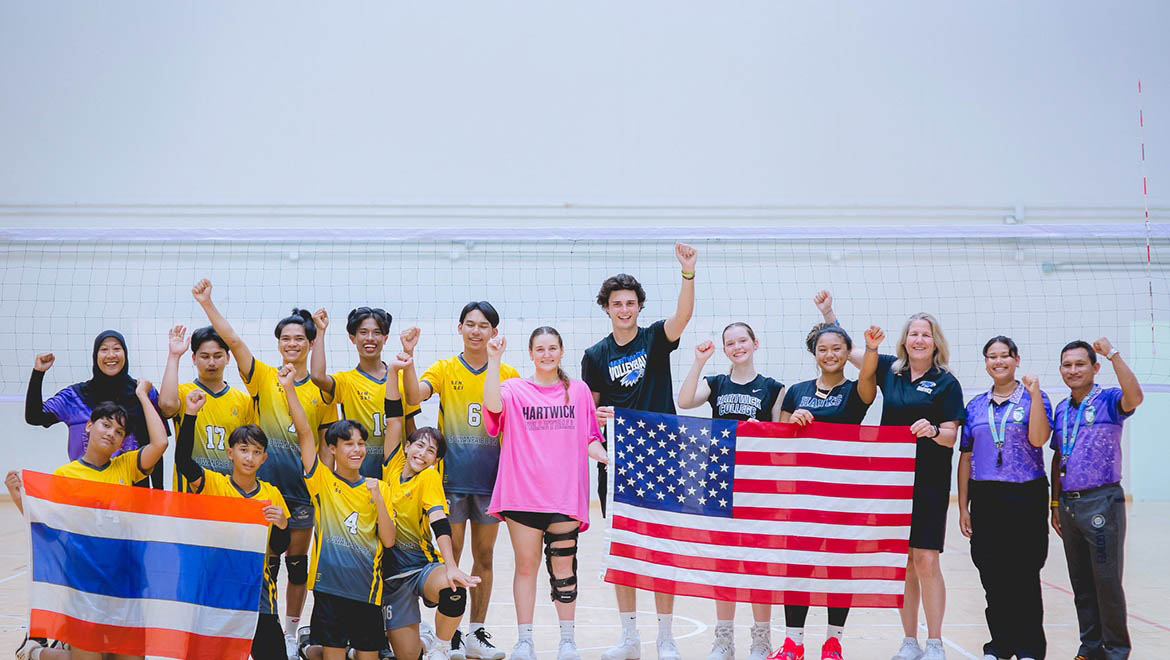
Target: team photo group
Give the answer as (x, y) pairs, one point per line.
(374, 513)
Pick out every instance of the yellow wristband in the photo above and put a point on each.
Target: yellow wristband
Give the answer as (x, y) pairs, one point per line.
(1055, 503)
(688, 276)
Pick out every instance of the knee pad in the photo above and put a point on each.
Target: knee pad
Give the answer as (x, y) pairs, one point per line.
(273, 562)
(452, 602)
(278, 540)
(564, 590)
(298, 568)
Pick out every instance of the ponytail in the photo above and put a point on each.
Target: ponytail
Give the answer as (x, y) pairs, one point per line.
(564, 381)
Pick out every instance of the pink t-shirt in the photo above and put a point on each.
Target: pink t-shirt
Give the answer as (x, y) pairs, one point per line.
(544, 448)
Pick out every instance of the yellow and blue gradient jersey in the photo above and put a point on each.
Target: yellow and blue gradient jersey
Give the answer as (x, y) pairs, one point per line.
(347, 553)
(222, 413)
(283, 468)
(472, 454)
(122, 470)
(361, 398)
(413, 501)
(215, 483)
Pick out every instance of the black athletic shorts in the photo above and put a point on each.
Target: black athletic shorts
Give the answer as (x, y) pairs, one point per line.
(535, 519)
(340, 622)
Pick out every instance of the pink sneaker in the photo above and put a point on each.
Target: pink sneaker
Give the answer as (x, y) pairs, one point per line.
(831, 650)
(790, 651)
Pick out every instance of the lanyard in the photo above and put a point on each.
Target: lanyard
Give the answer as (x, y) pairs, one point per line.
(1068, 441)
(998, 438)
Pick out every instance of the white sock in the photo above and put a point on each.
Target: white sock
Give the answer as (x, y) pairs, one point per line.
(290, 626)
(567, 628)
(444, 644)
(472, 627)
(664, 621)
(724, 623)
(525, 631)
(837, 631)
(930, 641)
(762, 625)
(795, 634)
(629, 623)
(35, 654)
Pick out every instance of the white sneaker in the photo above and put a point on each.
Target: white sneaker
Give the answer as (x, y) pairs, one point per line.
(761, 643)
(290, 646)
(910, 650)
(26, 649)
(568, 650)
(456, 643)
(934, 650)
(300, 642)
(667, 649)
(478, 645)
(523, 650)
(723, 646)
(630, 648)
(438, 652)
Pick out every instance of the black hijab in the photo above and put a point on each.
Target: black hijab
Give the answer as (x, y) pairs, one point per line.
(118, 388)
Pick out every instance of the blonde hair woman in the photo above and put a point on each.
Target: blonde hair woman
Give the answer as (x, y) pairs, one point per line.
(919, 391)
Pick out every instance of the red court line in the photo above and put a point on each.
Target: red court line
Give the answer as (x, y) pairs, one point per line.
(95, 495)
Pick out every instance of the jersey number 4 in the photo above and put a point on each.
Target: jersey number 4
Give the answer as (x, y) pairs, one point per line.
(351, 522)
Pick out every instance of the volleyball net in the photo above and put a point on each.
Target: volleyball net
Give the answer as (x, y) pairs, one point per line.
(1041, 285)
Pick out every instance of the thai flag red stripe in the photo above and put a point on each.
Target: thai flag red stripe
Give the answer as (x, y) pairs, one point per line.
(767, 541)
(761, 512)
(133, 640)
(772, 569)
(812, 599)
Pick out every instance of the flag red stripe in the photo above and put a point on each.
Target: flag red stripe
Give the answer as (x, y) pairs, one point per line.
(135, 641)
(855, 491)
(751, 595)
(826, 431)
(769, 541)
(770, 569)
(830, 461)
(95, 495)
(826, 517)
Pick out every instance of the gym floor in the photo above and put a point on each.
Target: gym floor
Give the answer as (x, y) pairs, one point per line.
(870, 634)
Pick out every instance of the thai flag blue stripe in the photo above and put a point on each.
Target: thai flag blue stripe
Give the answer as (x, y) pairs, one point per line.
(212, 577)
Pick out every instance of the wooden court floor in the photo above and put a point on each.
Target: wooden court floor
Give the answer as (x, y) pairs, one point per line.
(870, 634)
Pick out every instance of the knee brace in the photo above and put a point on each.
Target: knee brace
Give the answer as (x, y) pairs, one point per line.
(452, 602)
(278, 540)
(564, 590)
(298, 568)
(273, 562)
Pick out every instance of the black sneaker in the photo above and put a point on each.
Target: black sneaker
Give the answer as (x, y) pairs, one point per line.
(457, 650)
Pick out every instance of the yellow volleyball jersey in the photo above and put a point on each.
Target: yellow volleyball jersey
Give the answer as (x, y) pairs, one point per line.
(283, 468)
(361, 398)
(413, 502)
(222, 413)
(215, 483)
(122, 470)
(347, 553)
(472, 454)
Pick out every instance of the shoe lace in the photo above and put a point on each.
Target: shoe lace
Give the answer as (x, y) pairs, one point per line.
(483, 636)
(457, 639)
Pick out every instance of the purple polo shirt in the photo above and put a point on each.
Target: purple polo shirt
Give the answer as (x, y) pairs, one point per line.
(1021, 461)
(1096, 456)
(68, 406)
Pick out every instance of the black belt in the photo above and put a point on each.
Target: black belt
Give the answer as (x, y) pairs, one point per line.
(1078, 494)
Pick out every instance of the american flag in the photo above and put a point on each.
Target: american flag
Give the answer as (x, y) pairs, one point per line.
(761, 512)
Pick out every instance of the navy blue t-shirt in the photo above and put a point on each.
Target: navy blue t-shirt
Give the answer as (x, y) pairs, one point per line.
(935, 396)
(751, 400)
(841, 406)
(634, 376)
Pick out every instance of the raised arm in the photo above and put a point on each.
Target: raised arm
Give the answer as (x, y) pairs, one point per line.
(1131, 390)
(34, 401)
(867, 379)
(394, 411)
(317, 369)
(687, 257)
(15, 488)
(1038, 427)
(824, 302)
(414, 390)
(168, 394)
(185, 442)
(695, 390)
(202, 294)
(306, 438)
(492, 401)
(150, 455)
